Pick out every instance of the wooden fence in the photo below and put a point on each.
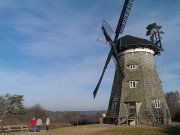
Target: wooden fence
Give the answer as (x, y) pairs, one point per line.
(14, 128)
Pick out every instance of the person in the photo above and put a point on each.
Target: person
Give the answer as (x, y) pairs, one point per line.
(33, 122)
(38, 124)
(47, 123)
(104, 115)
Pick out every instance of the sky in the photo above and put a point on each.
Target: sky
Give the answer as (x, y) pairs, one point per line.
(49, 52)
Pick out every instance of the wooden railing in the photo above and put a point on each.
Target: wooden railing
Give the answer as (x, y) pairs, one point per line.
(14, 128)
(124, 121)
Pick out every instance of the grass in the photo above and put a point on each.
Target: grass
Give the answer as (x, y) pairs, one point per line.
(78, 130)
(108, 130)
(140, 131)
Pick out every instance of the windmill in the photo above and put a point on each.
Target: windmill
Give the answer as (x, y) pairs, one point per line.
(137, 96)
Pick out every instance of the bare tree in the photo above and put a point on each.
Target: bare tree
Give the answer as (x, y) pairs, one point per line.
(37, 111)
(173, 102)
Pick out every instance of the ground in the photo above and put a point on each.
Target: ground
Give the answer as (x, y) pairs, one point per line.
(104, 129)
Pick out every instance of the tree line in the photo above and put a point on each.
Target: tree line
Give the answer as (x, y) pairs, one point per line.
(12, 111)
(173, 102)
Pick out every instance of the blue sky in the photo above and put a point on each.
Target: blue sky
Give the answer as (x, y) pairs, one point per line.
(49, 52)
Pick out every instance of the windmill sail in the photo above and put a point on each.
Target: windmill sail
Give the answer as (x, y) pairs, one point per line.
(107, 31)
(105, 66)
(108, 28)
(123, 18)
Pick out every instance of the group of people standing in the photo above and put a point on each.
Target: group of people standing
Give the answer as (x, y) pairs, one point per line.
(38, 124)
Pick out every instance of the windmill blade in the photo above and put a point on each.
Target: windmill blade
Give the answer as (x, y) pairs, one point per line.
(105, 66)
(161, 32)
(108, 38)
(112, 47)
(116, 57)
(151, 26)
(123, 18)
(148, 33)
(108, 28)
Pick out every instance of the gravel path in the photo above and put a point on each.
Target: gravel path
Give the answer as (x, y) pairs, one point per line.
(32, 133)
(26, 133)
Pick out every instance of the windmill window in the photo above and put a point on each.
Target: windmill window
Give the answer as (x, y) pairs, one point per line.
(132, 84)
(132, 67)
(159, 120)
(157, 103)
(113, 105)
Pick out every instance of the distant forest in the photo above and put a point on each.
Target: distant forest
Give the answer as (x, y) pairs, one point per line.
(12, 112)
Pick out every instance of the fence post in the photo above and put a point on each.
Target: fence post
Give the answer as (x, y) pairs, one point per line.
(1, 126)
(21, 127)
(9, 128)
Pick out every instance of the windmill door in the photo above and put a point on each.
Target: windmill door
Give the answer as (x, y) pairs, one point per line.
(132, 108)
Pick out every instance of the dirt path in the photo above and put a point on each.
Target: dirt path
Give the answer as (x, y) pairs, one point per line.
(26, 133)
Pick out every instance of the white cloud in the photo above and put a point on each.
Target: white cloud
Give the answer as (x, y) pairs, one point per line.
(67, 90)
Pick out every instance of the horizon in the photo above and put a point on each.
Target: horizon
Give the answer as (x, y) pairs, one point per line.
(49, 51)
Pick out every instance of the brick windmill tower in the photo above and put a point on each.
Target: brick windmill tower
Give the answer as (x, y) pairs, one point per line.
(137, 96)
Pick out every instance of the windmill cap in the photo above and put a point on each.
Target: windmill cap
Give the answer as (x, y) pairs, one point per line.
(130, 42)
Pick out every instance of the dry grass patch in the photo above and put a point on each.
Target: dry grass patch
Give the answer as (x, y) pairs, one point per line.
(135, 131)
(78, 130)
(113, 130)
(109, 130)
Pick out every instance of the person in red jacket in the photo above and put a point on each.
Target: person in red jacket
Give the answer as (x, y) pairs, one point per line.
(33, 123)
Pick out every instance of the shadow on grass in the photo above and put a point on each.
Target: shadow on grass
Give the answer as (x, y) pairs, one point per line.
(171, 131)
